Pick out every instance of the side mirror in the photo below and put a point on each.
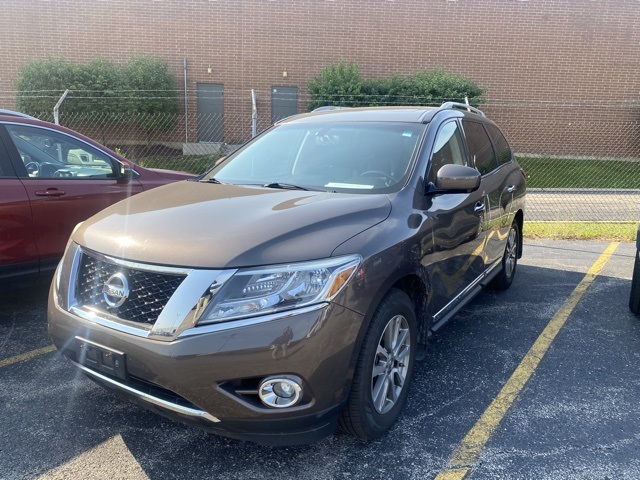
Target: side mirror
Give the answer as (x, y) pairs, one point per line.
(453, 178)
(126, 174)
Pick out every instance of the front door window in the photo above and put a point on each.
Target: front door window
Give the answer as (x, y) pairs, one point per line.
(49, 154)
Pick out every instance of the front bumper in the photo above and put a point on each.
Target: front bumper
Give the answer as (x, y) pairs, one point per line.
(209, 380)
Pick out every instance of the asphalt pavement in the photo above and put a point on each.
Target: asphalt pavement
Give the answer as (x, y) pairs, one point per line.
(577, 416)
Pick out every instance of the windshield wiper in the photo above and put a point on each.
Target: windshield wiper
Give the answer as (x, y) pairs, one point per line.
(214, 180)
(284, 186)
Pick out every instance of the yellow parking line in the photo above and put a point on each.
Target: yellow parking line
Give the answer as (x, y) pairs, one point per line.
(26, 356)
(468, 451)
(453, 474)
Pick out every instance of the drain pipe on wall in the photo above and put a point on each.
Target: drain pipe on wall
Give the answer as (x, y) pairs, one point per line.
(186, 107)
(55, 109)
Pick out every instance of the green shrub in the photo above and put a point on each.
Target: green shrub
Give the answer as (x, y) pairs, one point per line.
(41, 82)
(337, 85)
(95, 89)
(153, 93)
(141, 93)
(343, 85)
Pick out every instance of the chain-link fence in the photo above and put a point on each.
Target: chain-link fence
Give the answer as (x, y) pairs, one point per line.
(582, 161)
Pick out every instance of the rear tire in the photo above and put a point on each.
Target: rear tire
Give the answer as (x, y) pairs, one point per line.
(634, 298)
(384, 369)
(504, 279)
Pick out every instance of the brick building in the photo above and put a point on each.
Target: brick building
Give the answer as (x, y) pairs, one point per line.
(562, 76)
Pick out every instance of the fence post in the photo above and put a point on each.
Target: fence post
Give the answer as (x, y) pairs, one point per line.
(186, 108)
(55, 109)
(254, 114)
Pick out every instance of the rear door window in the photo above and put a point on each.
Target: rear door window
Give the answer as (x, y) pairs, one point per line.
(500, 144)
(480, 150)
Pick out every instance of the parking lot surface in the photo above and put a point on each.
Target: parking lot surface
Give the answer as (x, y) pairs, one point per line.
(577, 416)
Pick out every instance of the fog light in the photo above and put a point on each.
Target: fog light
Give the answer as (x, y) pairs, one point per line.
(284, 390)
(280, 392)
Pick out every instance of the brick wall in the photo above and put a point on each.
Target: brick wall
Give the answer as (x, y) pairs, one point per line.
(547, 64)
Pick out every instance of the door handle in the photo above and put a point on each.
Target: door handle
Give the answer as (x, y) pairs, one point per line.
(511, 188)
(50, 192)
(479, 207)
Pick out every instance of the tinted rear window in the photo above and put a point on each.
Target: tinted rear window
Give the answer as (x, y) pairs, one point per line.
(480, 149)
(500, 144)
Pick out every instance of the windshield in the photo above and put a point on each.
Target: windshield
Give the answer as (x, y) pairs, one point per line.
(358, 157)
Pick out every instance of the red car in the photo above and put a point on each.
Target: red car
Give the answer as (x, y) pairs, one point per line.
(52, 178)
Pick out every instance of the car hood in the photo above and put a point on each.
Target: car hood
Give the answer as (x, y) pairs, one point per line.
(195, 224)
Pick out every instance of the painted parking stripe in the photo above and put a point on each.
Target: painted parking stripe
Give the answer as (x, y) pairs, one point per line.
(469, 450)
(26, 356)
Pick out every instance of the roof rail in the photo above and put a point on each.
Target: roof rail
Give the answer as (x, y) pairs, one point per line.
(461, 106)
(11, 113)
(329, 107)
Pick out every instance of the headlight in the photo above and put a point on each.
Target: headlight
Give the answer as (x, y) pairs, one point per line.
(65, 274)
(259, 291)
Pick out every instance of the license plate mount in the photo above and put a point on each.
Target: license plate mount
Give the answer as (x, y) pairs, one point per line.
(100, 358)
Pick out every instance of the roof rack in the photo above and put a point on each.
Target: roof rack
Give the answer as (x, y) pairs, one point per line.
(461, 106)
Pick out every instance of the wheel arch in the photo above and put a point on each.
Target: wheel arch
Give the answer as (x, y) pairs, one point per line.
(416, 286)
(519, 219)
(416, 289)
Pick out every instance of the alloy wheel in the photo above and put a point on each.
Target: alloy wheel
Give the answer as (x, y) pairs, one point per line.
(511, 253)
(390, 364)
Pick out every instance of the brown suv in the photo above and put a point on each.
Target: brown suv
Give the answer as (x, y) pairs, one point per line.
(287, 290)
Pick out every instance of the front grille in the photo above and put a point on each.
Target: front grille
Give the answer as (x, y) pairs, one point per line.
(149, 291)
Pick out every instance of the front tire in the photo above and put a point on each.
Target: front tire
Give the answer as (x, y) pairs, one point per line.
(634, 298)
(504, 279)
(384, 370)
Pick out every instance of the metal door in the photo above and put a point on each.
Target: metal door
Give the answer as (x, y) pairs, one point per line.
(284, 102)
(210, 112)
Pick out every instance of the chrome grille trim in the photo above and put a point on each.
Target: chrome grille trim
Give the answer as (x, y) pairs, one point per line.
(148, 267)
(179, 313)
(140, 330)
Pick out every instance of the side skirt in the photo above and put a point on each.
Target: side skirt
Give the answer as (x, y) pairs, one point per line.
(464, 297)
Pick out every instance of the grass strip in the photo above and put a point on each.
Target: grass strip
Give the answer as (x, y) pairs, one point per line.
(609, 231)
(580, 173)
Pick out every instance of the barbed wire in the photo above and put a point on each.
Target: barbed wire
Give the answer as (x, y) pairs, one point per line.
(495, 101)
